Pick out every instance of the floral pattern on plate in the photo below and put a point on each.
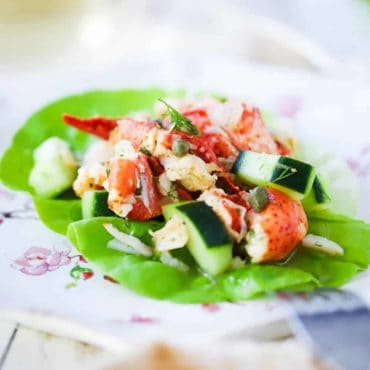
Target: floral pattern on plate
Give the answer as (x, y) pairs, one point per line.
(40, 260)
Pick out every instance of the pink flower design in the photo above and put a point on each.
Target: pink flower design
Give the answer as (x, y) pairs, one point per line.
(289, 106)
(271, 306)
(360, 163)
(137, 319)
(38, 261)
(353, 164)
(211, 307)
(6, 194)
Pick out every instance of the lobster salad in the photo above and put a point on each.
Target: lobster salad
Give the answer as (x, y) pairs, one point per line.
(192, 200)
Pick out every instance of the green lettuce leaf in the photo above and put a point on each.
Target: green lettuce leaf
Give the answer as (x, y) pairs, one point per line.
(155, 279)
(57, 214)
(351, 234)
(304, 271)
(328, 271)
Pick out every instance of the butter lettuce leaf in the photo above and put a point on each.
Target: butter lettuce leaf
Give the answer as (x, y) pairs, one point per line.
(154, 279)
(304, 271)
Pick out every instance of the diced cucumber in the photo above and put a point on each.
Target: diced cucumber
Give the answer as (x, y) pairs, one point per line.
(318, 197)
(209, 242)
(54, 170)
(94, 204)
(286, 174)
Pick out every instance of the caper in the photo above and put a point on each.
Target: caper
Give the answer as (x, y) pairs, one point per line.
(258, 198)
(180, 148)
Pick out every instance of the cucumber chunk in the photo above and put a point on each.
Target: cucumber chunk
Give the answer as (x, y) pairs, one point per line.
(94, 204)
(317, 198)
(286, 174)
(54, 170)
(209, 242)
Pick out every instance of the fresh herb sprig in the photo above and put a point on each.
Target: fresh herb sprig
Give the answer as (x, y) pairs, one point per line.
(145, 150)
(178, 121)
(286, 172)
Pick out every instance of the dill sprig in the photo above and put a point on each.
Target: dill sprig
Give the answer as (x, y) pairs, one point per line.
(286, 172)
(172, 193)
(145, 150)
(178, 121)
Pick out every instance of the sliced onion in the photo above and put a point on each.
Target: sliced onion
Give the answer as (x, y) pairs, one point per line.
(129, 240)
(144, 192)
(321, 244)
(169, 260)
(122, 247)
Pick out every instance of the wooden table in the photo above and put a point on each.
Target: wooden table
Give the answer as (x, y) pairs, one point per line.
(22, 348)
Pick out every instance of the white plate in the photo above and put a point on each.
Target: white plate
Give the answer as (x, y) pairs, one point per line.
(333, 112)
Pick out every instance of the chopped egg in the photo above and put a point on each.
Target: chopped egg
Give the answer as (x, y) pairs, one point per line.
(125, 149)
(120, 206)
(150, 141)
(190, 170)
(173, 235)
(90, 177)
